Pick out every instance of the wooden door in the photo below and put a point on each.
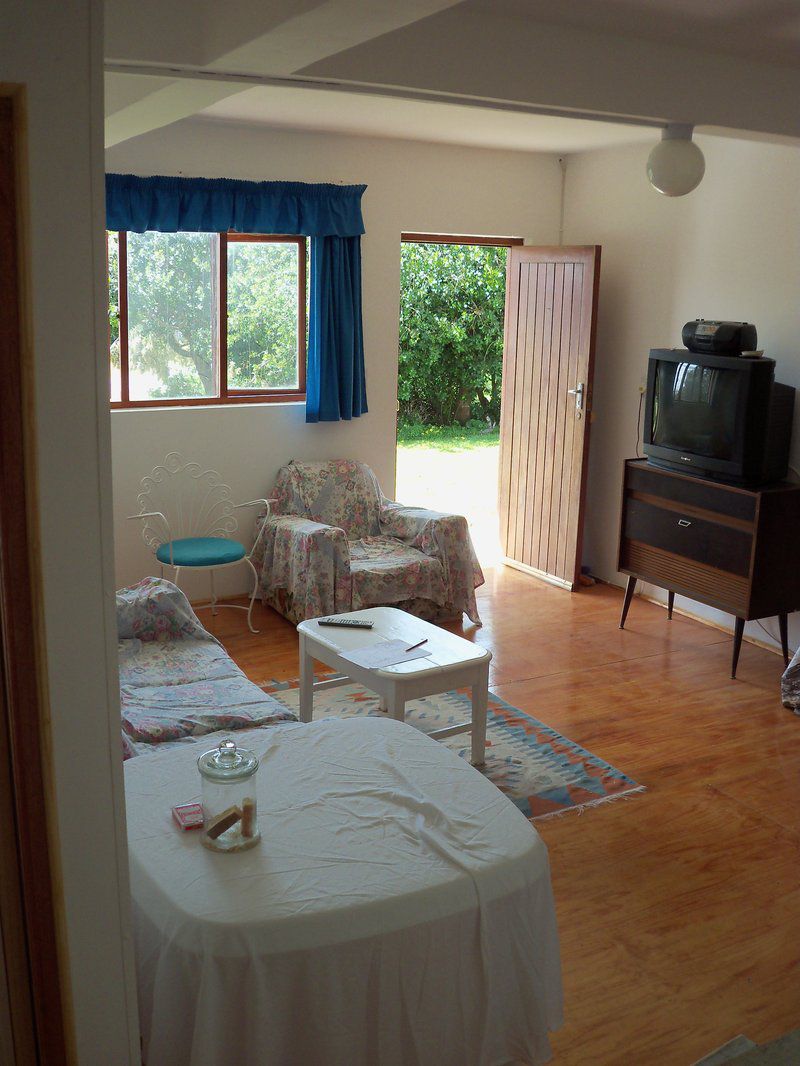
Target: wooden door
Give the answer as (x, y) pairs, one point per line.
(551, 309)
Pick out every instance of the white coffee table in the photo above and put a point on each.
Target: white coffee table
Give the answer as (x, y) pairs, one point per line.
(452, 663)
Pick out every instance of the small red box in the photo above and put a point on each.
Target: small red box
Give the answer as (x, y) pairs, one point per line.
(188, 815)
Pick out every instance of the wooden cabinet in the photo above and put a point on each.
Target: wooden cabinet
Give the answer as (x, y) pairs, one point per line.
(729, 547)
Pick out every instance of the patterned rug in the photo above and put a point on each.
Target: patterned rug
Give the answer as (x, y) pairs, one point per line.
(539, 770)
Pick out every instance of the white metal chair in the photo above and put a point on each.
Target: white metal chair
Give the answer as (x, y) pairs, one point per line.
(188, 521)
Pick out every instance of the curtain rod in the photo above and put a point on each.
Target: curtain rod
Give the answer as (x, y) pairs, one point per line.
(303, 81)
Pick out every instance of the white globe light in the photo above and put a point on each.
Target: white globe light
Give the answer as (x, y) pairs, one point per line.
(676, 165)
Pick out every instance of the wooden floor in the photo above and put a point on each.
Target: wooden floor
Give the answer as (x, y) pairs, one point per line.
(679, 909)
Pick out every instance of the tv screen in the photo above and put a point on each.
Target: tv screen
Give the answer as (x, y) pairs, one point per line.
(695, 408)
(717, 416)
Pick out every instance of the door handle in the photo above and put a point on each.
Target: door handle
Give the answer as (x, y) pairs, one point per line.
(684, 522)
(578, 392)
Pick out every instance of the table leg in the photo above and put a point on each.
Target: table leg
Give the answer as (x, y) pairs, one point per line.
(480, 699)
(395, 704)
(306, 682)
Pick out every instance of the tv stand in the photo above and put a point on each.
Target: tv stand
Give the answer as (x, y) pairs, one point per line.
(725, 546)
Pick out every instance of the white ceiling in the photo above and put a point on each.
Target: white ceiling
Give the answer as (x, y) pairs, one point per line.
(380, 116)
(753, 29)
(733, 64)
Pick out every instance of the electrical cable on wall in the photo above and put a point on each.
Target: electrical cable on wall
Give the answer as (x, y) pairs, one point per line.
(563, 165)
(771, 637)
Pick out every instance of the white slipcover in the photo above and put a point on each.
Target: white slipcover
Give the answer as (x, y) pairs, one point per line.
(397, 911)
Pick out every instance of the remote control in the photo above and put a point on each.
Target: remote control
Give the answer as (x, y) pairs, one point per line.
(348, 623)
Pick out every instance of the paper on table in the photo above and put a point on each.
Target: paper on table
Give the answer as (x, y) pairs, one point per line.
(388, 653)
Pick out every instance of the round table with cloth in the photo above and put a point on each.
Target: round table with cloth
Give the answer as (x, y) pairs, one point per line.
(396, 912)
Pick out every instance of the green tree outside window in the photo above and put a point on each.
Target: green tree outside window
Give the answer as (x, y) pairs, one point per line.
(452, 302)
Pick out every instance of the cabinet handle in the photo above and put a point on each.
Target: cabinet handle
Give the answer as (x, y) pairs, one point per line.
(684, 522)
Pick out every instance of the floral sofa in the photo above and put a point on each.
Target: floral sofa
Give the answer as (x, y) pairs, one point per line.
(334, 543)
(176, 680)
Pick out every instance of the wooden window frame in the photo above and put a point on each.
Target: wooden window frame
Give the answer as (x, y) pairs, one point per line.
(225, 395)
(452, 238)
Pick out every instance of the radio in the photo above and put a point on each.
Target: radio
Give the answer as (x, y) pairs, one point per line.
(719, 338)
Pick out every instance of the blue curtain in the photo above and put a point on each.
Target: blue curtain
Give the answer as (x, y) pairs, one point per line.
(329, 214)
(335, 385)
(225, 205)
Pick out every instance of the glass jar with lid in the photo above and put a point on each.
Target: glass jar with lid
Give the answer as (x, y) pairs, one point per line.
(229, 797)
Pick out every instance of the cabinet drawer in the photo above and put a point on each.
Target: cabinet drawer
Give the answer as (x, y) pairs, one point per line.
(725, 591)
(693, 492)
(712, 543)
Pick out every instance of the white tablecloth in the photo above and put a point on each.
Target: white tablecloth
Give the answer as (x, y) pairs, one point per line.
(397, 911)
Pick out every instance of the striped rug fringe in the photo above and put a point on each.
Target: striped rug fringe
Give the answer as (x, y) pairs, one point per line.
(581, 807)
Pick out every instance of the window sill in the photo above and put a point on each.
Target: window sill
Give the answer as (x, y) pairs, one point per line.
(265, 399)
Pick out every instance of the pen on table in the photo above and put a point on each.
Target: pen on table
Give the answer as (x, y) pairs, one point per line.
(418, 644)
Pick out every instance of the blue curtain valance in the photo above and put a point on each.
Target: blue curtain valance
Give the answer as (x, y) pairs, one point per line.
(220, 205)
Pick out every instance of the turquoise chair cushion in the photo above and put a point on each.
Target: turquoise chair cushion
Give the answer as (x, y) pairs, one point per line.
(201, 551)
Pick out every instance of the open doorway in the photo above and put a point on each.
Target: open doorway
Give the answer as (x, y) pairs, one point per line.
(452, 306)
(482, 318)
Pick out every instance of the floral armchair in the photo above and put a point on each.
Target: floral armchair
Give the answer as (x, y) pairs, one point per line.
(334, 543)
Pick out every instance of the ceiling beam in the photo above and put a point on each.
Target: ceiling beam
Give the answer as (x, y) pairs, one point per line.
(306, 38)
(164, 106)
(242, 79)
(330, 27)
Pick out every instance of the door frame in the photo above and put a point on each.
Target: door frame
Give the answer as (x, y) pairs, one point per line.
(33, 927)
(588, 338)
(451, 238)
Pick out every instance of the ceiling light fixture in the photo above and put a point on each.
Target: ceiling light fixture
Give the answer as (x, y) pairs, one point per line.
(676, 165)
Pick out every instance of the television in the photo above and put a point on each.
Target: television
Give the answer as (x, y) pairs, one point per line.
(717, 416)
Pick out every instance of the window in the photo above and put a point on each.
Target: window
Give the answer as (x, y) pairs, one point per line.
(206, 318)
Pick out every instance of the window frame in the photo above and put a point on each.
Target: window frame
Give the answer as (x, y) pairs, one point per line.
(452, 238)
(224, 395)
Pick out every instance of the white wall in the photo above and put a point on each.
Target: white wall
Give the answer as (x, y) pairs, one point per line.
(412, 187)
(55, 51)
(728, 250)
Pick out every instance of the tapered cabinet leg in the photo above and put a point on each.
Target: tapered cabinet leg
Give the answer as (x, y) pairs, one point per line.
(783, 623)
(670, 604)
(738, 633)
(629, 591)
